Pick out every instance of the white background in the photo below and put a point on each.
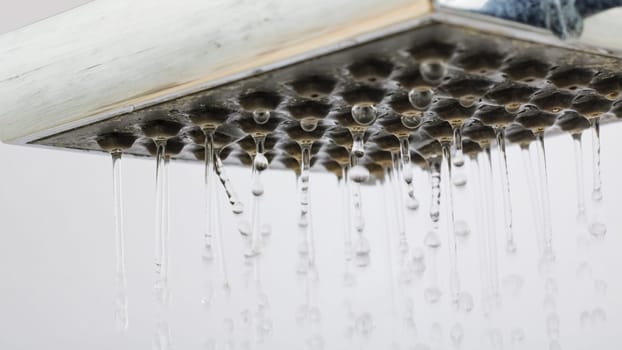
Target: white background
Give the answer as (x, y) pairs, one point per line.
(57, 254)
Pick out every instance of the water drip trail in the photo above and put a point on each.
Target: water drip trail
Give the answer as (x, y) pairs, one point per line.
(260, 163)
(432, 293)
(578, 163)
(491, 232)
(210, 197)
(161, 269)
(534, 195)
(544, 192)
(162, 334)
(407, 173)
(347, 228)
(121, 309)
(357, 175)
(237, 206)
(480, 215)
(305, 215)
(385, 189)
(454, 277)
(510, 243)
(394, 180)
(597, 228)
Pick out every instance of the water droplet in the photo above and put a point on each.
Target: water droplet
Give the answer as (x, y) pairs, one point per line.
(309, 124)
(461, 228)
(552, 325)
(364, 113)
(465, 302)
(362, 251)
(432, 294)
(257, 189)
(208, 253)
(260, 162)
(237, 208)
(266, 230)
(517, 335)
(432, 71)
(411, 120)
(412, 203)
(600, 287)
(460, 179)
(244, 227)
(261, 116)
(457, 334)
(432, 240)
(420, 98)
(359, 174)
(598, 229)
(599, 316)
(364, 324)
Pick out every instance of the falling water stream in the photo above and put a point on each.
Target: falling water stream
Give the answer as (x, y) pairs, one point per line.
(162, 340)
(121, 309)
(596, 227)
(403, 263)
(486, 177)
(578, 163)
(544, 195)
(260, 163)
(510, 243)
(454, 278)
(432, 240)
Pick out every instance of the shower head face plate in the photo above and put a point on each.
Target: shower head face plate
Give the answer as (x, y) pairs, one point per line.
(435, 72)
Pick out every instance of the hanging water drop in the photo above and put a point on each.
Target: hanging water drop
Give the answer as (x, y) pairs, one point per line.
(364, 113)
(458, 158)
(420, 98)
(261, 116)
(432, 71)
(308, 124)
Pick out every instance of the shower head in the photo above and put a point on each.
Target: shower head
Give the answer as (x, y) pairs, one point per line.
(433, 62)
